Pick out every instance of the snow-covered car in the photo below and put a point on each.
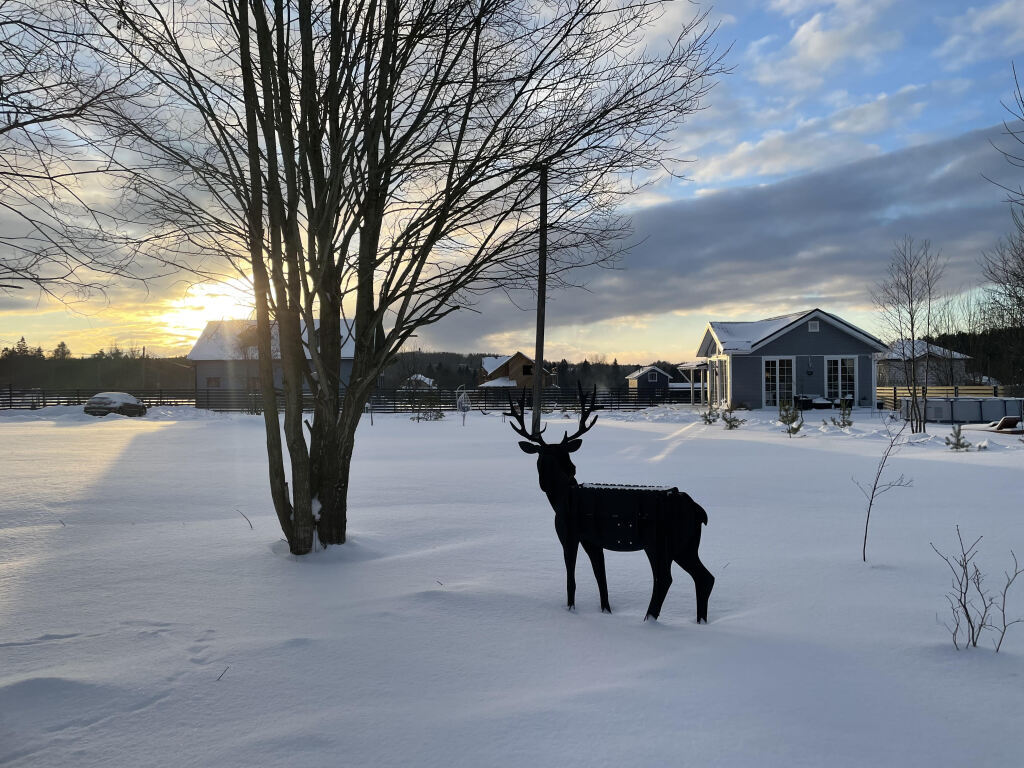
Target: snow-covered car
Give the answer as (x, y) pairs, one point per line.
(114, 402)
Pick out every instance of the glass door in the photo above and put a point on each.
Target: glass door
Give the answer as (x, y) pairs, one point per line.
(778, 381)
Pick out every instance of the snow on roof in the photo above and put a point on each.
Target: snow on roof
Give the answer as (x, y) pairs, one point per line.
(504, 381)
(491, 364)
(741, 336)
(640, 372)
(235, 340)
(905, 349)
(421, 380)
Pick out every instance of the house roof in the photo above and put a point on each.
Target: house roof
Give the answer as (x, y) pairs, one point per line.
(905, 349)
(491, 364)
(503, 381)
(640, 372)
(743, 337)
(418, 379)
(229, 340)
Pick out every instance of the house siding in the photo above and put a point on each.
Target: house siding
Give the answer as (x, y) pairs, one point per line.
(746, 381)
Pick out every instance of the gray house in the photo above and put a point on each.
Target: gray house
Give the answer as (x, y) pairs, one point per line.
(933, 365)
(225, 356)
(648, 380)
(811, 354)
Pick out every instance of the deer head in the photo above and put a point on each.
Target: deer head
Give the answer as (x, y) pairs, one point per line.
(555, 469)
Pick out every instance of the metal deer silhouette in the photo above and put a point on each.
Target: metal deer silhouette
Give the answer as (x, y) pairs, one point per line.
(663, 522)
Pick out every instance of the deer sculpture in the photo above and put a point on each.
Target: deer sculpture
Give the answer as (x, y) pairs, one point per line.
(663, 522)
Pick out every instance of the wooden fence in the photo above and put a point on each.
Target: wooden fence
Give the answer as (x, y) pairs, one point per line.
(890, 397)
(382, 401)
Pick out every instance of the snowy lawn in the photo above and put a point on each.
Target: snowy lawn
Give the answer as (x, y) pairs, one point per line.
(142, 621)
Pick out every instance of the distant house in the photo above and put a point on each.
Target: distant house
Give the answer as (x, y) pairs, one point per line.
(225, 356)
(516, 370)
(811, 354)
(418, 382)
(649, 380)
(933, 365)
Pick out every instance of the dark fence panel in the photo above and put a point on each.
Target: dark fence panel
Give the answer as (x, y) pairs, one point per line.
(382, 401)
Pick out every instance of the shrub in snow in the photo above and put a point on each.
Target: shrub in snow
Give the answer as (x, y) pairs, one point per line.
(975, 609)
(791, 417)
(731, 421)
(710, 416)
(956, 441)
(845, 412)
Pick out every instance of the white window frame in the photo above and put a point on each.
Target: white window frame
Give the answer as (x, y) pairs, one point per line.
(812, 326)
(652, 376)
(764, 389)
(856, 375)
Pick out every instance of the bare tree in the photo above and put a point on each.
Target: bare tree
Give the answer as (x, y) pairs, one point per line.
(907, 300)
(53, 90)
(373, 164)
(1003, 271)
(1014, 151)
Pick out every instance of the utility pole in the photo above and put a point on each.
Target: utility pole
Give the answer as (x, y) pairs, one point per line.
(542, 284)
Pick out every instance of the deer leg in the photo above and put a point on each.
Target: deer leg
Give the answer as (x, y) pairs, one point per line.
(570, 548)
(569, 551)
(661, 568)
(703, 581)
(596, 555)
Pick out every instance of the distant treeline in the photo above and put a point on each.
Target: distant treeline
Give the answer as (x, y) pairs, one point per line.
(994, 352)
(449, 370)
(23, 366)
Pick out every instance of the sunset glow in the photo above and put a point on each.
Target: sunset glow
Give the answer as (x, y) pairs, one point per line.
(186, 317)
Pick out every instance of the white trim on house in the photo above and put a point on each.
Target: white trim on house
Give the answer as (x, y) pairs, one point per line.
(856, 382)
(792, 383)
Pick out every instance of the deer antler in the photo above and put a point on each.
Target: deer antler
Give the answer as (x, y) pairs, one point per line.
(585, 412)
(517, 416)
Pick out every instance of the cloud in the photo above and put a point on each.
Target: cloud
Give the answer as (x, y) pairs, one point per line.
(821, 239)
(995, 31)
(881, 114)
(843, 30)
(817, 142)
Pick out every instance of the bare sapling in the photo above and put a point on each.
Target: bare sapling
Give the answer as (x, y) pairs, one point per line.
(880, 485)
(974, 608)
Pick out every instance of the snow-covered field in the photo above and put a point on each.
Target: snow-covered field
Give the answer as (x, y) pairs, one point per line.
(143, 623)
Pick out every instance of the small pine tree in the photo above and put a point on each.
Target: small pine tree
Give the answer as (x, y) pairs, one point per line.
(791, 417)
(710, 416)
(845, 414)
(731, 421)
(956, 441)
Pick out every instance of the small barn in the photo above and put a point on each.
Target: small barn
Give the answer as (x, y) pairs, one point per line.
(648, 380)
(805, 355)
(225, 357)
(516, 370)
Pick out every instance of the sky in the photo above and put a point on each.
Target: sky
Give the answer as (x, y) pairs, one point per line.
(844, 125)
